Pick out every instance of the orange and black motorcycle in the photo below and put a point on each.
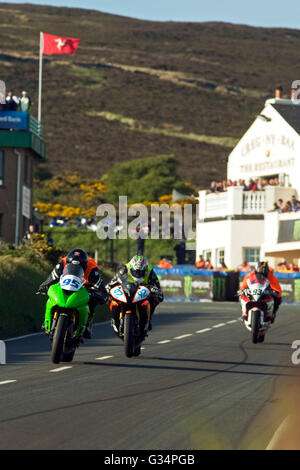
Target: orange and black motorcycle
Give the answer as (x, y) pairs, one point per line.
(131, 300)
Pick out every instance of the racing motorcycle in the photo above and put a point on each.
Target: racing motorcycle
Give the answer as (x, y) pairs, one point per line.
(66, 313)
(133, 302)
(257, 306)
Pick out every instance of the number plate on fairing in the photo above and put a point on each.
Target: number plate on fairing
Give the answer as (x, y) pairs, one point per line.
(141, 294)
(118, 294)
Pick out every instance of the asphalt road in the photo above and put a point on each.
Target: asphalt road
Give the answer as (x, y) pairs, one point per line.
(199, 383)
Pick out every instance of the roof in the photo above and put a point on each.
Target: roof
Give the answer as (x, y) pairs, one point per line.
(290, 113)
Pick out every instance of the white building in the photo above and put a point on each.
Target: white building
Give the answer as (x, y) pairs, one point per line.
(237, 225)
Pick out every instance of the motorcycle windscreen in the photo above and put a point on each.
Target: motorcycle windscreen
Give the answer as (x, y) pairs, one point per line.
(72, 278)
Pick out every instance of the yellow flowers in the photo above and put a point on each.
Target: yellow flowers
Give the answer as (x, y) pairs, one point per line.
(59, 210)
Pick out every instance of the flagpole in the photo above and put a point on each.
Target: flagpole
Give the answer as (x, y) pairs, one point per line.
(40, 77)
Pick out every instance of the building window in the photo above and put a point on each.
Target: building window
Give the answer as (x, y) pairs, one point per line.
(207, 254)
(252, 255)
(220, 256)
(1, 168)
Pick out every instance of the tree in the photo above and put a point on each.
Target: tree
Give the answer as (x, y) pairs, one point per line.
(144, 179)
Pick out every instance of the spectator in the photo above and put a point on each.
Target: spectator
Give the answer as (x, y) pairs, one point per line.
(280, 205)
(200, 264)
(244, 267)
(223, 266)
(208, 264)
(165, 264)
(29, 233)
(294, 204)
(212, 188)
(287, 207)
(12, 101)
(276, 208)
(252, 186)
(25, 102)
(282, 267)
(180, 252)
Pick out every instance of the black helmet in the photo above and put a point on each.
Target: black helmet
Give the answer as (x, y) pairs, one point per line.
(262, 267)
(78, 256)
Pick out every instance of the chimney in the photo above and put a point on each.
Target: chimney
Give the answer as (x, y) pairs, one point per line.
(293, 94)
(278, 92)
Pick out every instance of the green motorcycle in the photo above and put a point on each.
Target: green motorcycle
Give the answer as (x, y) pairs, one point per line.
(66, 313)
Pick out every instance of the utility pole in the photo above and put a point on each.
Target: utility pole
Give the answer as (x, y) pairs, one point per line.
(18, 190)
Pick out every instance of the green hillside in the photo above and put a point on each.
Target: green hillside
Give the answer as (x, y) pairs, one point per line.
(140, 88)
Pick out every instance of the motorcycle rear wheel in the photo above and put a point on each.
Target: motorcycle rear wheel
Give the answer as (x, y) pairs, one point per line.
(59, 339)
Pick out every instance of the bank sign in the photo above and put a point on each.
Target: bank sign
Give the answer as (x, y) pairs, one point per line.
(16, 120)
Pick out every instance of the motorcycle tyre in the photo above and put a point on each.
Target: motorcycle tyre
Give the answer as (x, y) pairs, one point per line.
(255, 325)
(59, 339)
(129, 334)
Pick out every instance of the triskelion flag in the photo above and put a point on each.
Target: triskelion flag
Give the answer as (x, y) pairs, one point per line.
(58, 44)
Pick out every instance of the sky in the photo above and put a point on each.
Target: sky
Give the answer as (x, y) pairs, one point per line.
(267, 13)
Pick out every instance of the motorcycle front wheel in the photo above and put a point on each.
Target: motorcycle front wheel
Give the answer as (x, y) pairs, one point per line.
(129, 334)
(59, 338)
(255, 326)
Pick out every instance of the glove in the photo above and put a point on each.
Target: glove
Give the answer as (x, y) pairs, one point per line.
(40, 292)
(275, 293)
(157, 293)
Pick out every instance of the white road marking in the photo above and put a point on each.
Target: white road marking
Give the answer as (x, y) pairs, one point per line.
(7, 382)
(204, 330)
(60, 369)
(164, 341)
(232, 321)
(219, 325)
(103, 358)
(281, 431)
(183, 336)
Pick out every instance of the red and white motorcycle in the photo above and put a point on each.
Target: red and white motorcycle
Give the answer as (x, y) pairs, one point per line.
(257, 304)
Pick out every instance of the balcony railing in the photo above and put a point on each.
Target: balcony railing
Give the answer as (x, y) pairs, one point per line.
(253, 202)
(35, 126)
(235, 201)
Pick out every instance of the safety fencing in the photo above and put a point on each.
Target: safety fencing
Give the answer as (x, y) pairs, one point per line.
(185, 283)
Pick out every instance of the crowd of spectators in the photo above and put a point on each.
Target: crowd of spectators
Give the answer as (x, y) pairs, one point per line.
(13, 102)
(206, 264)
(290, 206)
(285, 267)
(251, 185)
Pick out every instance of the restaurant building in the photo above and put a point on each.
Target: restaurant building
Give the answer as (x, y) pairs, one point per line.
(238, 225)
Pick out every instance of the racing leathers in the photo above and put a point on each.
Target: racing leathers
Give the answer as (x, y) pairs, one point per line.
(274, 286)
(150, 280)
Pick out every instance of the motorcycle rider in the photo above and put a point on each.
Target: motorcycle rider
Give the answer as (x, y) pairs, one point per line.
(93, 281)
(263, 268)
(137, 270)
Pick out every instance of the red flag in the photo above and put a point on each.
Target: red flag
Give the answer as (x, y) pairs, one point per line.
(58, 44)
